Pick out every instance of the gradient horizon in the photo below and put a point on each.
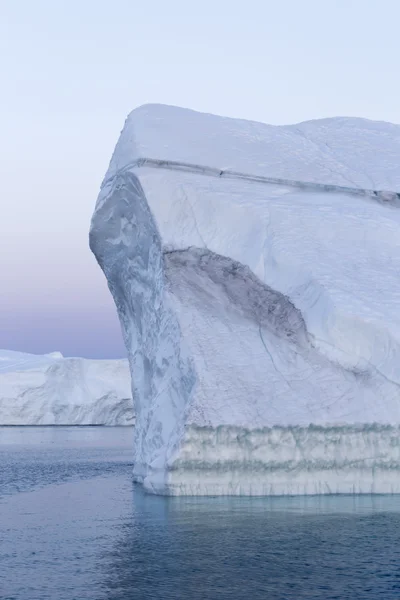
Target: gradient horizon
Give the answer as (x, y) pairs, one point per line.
(72, 71)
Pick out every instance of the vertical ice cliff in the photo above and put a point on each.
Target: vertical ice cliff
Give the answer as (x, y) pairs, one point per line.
(255, 270)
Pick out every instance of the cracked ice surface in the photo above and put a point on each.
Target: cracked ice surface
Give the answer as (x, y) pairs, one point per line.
(261, 319)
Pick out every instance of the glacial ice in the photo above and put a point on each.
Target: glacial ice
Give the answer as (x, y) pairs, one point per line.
(255, 270)
(53, 390)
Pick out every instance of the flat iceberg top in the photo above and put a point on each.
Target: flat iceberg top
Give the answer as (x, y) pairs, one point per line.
(339, 151)
(11, 360)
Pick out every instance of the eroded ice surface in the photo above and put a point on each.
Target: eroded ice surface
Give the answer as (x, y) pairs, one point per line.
(255, 270)
(53, 390)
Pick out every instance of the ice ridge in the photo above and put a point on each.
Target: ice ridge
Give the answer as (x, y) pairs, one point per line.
(386, 196)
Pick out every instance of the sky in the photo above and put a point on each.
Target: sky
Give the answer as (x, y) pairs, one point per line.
(72, 70)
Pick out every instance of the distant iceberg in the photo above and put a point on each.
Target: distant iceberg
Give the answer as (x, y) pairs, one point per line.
(256, 274)
(53, 390)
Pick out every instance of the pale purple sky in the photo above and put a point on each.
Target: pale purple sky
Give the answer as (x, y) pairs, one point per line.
(72, 70)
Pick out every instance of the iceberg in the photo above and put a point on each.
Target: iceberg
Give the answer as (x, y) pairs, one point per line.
(53, 390)
(255, 271)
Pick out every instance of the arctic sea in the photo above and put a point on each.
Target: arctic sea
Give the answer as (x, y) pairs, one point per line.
(73, 526)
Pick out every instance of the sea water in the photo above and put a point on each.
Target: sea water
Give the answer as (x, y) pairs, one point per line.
(74, 526)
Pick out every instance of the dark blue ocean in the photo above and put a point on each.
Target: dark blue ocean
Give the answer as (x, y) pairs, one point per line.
(73, 526)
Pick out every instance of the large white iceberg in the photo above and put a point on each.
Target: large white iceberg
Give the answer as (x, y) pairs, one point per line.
(52, 390)
(256, 274)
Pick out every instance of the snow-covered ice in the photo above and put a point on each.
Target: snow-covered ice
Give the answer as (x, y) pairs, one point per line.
(256, 274)
(53, 390)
